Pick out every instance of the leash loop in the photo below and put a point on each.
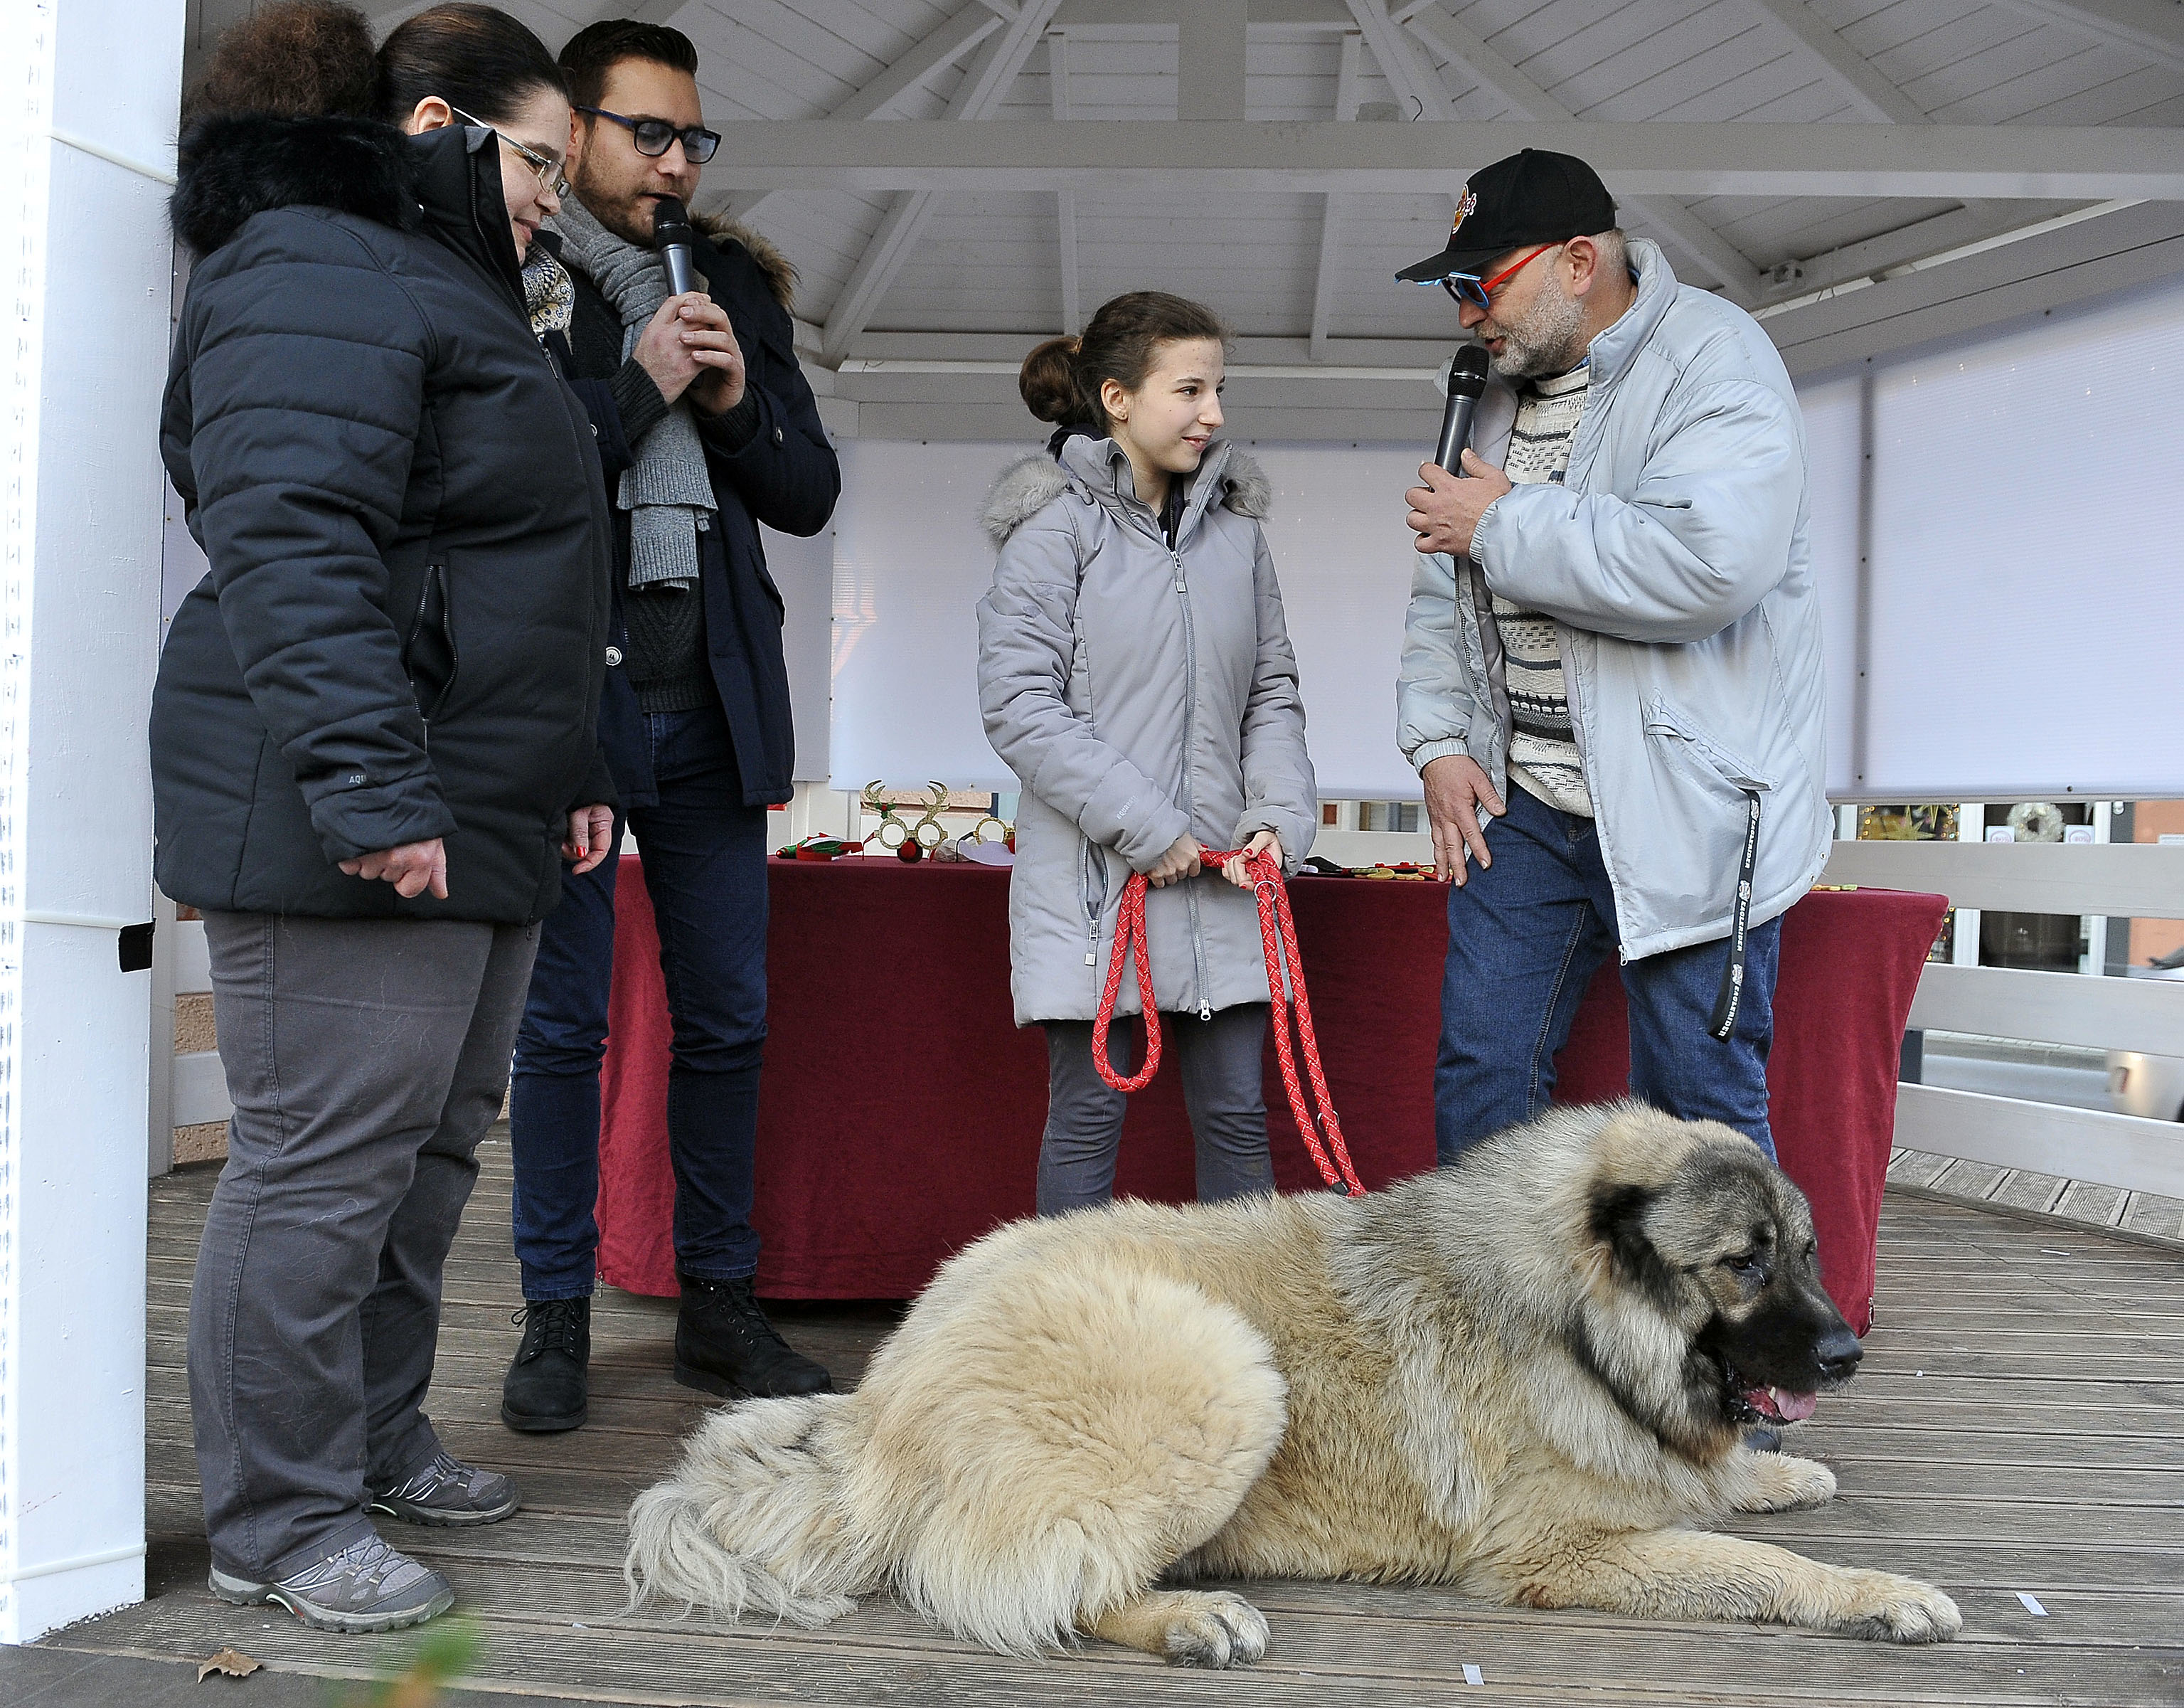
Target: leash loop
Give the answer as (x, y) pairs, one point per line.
(1278, 942)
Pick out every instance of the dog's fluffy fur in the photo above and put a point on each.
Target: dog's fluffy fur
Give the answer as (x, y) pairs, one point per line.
(1522, 1375)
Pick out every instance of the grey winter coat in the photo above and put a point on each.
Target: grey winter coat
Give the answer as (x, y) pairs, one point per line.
(1674, 560)
(1138, 693)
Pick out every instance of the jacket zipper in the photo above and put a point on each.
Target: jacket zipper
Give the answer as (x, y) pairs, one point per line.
(1189, 735)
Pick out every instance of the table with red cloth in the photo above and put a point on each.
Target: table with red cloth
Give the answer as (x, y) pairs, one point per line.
(901, 1109)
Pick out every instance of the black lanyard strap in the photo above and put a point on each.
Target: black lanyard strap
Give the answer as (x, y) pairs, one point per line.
(1730, 997)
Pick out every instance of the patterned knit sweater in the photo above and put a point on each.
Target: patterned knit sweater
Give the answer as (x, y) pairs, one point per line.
(1543, 755)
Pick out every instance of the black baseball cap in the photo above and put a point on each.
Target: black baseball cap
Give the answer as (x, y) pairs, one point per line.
(1532, 198)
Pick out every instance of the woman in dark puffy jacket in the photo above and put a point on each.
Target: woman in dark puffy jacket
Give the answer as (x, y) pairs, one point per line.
(372, 742)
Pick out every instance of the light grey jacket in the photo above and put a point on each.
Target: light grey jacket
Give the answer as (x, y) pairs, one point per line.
(1138, 693)
(1674, 561)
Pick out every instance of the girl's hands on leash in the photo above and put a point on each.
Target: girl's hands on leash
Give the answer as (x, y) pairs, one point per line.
(1262, 842)
(1183, 860)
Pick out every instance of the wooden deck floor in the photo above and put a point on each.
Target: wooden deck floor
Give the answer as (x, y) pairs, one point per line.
(2019, 1426)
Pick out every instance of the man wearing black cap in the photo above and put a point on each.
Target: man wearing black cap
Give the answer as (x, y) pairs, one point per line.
(1613, 610)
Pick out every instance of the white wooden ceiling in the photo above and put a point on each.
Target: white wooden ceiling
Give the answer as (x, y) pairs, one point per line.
(960, 279)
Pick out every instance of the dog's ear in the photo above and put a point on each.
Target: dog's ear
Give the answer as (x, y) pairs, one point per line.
(1617, 1220)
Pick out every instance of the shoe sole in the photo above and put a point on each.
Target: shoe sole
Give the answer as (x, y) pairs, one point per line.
(542, 1423)
(707, 1382)
(346, 1624)
(442, 1517)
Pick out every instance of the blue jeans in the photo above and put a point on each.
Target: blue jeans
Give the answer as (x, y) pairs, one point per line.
(1525, 936)
(705, 867)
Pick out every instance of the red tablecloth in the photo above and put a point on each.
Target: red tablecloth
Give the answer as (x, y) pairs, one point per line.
(901, 1111)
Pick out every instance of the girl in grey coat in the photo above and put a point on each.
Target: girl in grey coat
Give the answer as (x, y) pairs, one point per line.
(1135, 672)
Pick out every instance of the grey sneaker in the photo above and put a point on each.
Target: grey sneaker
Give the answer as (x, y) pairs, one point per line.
(366, 1586)
(449, 1492)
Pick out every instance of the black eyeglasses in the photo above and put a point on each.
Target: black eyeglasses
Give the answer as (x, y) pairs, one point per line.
(652, 135)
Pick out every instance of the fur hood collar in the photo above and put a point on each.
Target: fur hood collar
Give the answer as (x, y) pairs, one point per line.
(776, 269)
(1026, 487)
(231, 167)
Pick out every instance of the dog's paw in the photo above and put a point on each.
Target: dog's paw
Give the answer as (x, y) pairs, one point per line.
(1213, 1629)
(1884, 1608)
(1781, 1483)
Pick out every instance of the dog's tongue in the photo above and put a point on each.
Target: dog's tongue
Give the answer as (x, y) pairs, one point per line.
(1781, 1406)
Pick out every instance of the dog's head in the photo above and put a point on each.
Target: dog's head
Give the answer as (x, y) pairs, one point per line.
(1718, 1241)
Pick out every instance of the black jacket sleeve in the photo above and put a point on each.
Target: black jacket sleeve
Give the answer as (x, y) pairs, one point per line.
(785, 473)
(302, 433)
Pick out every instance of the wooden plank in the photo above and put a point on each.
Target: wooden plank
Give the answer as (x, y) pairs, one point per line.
(2135, 880)
(2124, 1151)
(2054, 1008)
(863, 1658)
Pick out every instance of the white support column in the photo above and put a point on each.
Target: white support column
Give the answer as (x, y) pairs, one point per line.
(1065, 201)
(1964, 944)
(86, 161)
(1331, 214)
(1210, 54)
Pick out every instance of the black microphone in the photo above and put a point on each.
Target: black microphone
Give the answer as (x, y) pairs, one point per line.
(673, 237)
(1466, 384)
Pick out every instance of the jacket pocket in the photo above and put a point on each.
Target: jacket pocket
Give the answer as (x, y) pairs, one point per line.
(430, 655)
(1666, 722)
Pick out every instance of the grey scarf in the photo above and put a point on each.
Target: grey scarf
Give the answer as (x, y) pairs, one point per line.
(668, 491)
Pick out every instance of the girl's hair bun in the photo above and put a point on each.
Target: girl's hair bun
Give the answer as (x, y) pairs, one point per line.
(1048, 383)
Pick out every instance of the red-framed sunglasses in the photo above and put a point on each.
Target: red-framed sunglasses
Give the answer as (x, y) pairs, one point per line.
(1464, 288)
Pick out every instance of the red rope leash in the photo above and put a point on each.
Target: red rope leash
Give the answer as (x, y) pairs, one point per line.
(1278, 936)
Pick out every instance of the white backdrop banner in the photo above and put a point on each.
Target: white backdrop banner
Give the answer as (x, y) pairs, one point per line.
(911, 562)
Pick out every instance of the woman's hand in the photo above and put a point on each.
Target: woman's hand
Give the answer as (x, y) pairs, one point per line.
(591, 834)
(410, 868)
(1181, 861)
(1264, 841)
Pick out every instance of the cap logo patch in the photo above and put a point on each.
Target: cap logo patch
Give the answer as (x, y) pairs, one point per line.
(1464, 210)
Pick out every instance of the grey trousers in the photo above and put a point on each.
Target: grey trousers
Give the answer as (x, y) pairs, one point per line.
(1222, 1088)
(365, 1059)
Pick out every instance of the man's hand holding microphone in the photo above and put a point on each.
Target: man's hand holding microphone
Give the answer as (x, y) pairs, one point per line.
(1444, 509)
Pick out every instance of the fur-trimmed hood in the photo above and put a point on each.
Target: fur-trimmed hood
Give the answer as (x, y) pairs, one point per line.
(778, 270)
(1026, 487)
(231, 167)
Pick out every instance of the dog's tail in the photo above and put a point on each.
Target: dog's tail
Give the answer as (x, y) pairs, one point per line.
(753, 1520)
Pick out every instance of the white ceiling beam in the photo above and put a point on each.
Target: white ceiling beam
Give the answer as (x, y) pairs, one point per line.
(1679, 227)
(1135, 15)
(932, 54)
(1210, 53)
(2096, 163)
(1417, 85)
(1057, 83)
(1330, 213)
(2153, 28)
(1847, 69)
(983, 86)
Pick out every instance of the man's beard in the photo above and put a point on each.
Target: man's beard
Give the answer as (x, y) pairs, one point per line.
(629, 218)
(1548, 340)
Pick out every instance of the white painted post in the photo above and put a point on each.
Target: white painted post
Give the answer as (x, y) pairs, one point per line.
(1971, 822)
(86, 160)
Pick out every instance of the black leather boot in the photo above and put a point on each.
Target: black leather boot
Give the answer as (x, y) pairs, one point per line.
(548, 1388)
(724, 1345)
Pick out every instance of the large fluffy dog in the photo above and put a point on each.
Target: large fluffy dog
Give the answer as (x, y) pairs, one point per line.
(1523, 1376)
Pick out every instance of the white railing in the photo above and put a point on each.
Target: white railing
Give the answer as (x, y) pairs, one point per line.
(2119, 880)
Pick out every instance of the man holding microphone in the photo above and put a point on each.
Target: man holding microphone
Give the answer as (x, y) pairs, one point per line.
(1611, 676)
